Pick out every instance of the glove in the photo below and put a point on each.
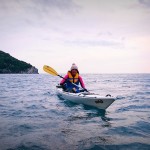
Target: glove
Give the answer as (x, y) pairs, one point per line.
(59, 86)
(86, 90)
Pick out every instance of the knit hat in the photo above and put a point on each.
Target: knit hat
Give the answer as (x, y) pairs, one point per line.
(74, 66)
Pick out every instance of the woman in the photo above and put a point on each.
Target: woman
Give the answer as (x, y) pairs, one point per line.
(72, 79)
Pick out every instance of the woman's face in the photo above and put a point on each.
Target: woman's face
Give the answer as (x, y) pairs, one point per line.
(73, 72)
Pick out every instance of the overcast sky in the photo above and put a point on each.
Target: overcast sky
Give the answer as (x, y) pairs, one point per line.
(100, 36)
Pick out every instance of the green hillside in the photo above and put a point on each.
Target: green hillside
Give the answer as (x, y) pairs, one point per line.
(9, 64)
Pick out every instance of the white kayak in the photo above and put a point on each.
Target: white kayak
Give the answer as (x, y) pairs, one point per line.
(87, 98)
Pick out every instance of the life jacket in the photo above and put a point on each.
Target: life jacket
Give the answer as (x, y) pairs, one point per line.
(73, 79)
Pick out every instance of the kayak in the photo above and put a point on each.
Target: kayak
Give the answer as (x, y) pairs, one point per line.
(87, 98)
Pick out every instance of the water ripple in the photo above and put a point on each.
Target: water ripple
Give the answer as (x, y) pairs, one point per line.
(34, 118)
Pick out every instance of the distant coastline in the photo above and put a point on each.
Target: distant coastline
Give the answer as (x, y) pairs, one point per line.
(11, 65)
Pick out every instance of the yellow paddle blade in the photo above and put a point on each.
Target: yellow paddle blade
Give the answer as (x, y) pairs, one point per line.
(50, 70)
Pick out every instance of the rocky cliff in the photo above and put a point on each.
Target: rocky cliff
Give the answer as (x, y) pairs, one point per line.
(9, 64)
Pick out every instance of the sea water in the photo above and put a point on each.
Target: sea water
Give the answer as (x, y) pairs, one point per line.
(32, 117)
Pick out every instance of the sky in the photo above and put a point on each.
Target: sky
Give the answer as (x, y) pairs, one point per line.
(100, 36)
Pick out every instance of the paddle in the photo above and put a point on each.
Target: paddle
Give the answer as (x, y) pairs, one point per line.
(51, 71)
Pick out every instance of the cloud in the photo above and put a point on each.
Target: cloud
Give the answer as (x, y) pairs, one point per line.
(35, 12)
(145, 3)
(37, 5)
(94, 39)
(93, 43)
(58, 28)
